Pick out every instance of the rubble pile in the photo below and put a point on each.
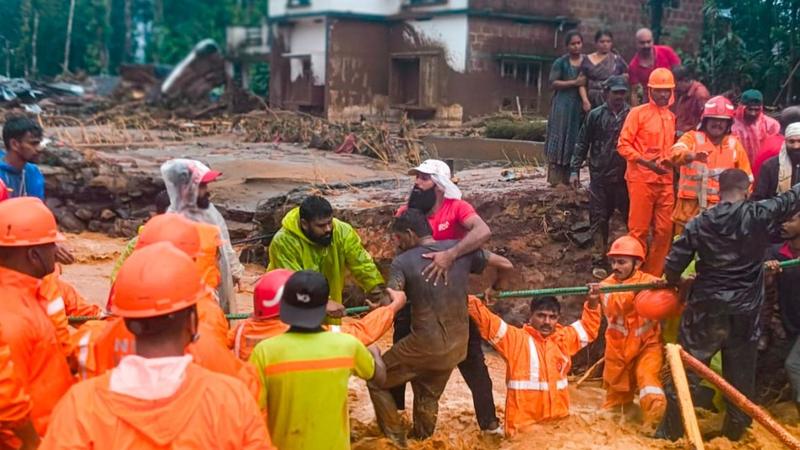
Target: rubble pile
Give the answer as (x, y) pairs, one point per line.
(88, 191)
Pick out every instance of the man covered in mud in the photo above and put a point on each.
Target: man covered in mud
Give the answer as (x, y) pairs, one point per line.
(439, 325)
(310, 238)
(450, 217)
(538, 357)
(187, 182)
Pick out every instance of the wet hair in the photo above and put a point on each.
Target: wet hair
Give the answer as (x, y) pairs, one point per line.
(414, 220)
(571, 34)
(732, 180)
(603, 32)
(682, 73)
(161, 328)
(162, 202)
(315, 207)
(16, 127)
(789, 115)
(548, 303)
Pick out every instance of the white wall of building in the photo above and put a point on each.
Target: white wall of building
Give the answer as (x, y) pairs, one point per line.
(451, 32)
(373, 7)
(308, 37)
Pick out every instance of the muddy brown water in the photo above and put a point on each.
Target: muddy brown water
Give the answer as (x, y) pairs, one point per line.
(588, 427)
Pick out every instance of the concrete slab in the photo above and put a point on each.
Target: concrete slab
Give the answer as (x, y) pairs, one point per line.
(484, 149)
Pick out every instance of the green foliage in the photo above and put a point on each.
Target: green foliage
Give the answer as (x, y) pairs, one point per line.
(102, 31)
(748, 44)
(259, 79)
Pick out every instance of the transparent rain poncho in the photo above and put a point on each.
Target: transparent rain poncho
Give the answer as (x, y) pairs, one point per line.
(182, 179)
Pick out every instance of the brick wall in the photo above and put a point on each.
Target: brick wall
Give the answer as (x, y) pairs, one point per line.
(533, 7)
(682, 26)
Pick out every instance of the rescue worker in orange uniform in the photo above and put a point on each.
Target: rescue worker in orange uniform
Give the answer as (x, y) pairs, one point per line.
(645, 142)
(703, 155)
(16, 428)
(266, 322)
(28, 236)
(538, 357)
(113, 341)
(633, 357)
(158, 398)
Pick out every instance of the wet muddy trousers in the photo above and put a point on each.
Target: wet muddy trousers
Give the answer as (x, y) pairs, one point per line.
(651, 209)
(702, 335)
(473, 369)
(605, 197)
(645, 376)
(427, 387)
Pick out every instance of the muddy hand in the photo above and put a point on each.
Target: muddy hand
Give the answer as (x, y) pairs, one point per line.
(63, 255)
(489, 295)
(335, 310)
(773, 266)
(594, 289)
(439, 266)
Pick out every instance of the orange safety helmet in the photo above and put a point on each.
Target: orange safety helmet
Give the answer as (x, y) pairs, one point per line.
(657, 304)
(661, 78)
(156, 280)
(268, 292)
(3, 191)
(718, 107)
(627, 246)
(173, 228)
(26, 221)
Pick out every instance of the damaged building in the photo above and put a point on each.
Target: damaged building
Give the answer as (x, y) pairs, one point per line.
(443, 60)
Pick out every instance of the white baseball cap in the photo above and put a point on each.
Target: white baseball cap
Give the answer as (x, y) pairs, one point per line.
(440, 174)
(432, 167)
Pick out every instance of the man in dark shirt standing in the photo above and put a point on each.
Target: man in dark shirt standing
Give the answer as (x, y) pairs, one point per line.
(439, 324)
(730, 241)
(607, 188)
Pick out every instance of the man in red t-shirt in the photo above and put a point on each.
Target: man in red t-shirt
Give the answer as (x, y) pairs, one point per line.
(648, 58)
(451, 218)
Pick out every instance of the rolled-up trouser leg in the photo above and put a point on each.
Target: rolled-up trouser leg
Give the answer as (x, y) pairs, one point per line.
(427, 389)
(402, 328)
(476, 374)
(793, 368)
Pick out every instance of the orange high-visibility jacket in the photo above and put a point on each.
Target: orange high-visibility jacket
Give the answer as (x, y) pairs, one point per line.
(212, 318)
(700, 181)
(207, 259)
(209, 411)
(648, 133)
(15, 404)
(35, 350)
(248, 333)
(627, 333)
(536, 367)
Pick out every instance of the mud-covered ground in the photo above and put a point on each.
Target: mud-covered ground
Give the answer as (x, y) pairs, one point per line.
(587, 428)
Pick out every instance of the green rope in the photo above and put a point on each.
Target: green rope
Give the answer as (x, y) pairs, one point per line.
(575, 290)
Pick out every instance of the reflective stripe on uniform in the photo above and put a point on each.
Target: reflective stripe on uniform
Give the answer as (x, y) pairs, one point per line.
(316, 364)
(501, 332)
(55, 306)
(83, 354)
(237, 341)
(650, 390)
(533, 384)
(582, 335)
(335, 329)
(648, 325)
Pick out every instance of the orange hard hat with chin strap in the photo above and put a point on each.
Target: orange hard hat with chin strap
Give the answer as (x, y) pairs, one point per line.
(26, 221)
(154, 281)
(661, 78)
(627, 246)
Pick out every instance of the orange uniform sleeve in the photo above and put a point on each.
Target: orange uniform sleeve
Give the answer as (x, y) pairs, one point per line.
(15, 404)
(507, 340)
(75, 304)
(684, 147)
(626, 146)
(742, 161)
(66, 431)
(371, 327)
(581, 332)
(618, 304)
